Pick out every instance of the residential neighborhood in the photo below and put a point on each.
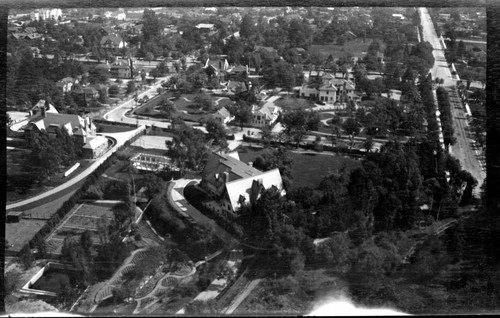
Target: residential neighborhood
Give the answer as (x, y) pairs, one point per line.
(247, 160)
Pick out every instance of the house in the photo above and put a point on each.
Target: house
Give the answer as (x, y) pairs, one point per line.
(81, 129)
(35, 51)
(232, 183)
(205, 26)
(223, 116)
(121, 69)
(36, 110)
(268, 49)
(112, 42)
(265, 115)
(237, 71)
(236, 35)
(66, 84)
(95, 147)
(331, 90)
(217, 65)
(83, 95)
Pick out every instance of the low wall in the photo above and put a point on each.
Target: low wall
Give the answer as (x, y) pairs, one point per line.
(50, 265)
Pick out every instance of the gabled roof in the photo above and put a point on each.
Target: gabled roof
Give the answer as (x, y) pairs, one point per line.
(41, 103)
(74, 123)
(205, 26)
(245, 188)
(217, 164)
(114, 39)
(223, 112)
(95, 142)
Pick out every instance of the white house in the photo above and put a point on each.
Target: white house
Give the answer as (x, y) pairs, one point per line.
(223, 116)
(232, 183)
(265, 115)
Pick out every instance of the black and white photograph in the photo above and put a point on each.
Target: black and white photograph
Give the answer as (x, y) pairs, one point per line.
(249, 160)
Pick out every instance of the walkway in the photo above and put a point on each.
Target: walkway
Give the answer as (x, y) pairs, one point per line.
(168, 281)
(121, 138)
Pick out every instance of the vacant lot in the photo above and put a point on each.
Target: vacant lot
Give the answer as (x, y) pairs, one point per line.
(356, 48)
(307, 169)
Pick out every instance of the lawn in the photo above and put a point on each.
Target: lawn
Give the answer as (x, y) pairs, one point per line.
(103, 128)
(307, 169)
(18, 179)
(293, 103)
(354, 47)
(182, 107)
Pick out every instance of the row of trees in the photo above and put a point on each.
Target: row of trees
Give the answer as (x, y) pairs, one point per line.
(445, 116)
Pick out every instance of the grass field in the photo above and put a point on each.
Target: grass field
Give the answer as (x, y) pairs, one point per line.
(354, 47)
(112, 128)
(307, 169)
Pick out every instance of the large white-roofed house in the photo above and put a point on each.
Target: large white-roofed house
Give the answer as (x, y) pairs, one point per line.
(232, 183)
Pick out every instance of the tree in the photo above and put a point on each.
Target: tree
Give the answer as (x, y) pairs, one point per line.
(114, 90)
(242, 112)
(150, 57)
(247, 28)
(351, 126)
(167, 108)
(216, 132)
(204, 102)
(368, 143)
(152, 25)
(298, 122)
(131, 87)
(277, 158)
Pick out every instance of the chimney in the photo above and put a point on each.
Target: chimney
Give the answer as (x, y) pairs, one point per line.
(42, 110)
(226, 176)
(250, 164)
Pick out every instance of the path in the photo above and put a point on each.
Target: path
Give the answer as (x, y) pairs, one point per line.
(121, 138)
(166, 282)
(241, 296)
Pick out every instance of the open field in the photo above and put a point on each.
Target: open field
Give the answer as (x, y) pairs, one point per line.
(18, 234)
(307, 169)
(83, 217)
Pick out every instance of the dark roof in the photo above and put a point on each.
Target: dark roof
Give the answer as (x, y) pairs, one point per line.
(220, 163)
(114, 39)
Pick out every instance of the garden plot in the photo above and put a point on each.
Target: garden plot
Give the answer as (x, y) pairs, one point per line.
(83, 217)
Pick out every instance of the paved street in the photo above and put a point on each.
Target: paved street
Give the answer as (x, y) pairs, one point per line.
(121, 138)
(462, 149)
